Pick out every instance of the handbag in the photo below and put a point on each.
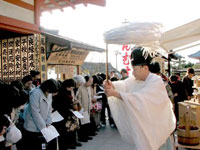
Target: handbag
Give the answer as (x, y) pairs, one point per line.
(97, 106)
(72, 123)
(13, 134)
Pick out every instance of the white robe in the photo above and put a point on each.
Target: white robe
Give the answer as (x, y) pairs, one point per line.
(144, 117)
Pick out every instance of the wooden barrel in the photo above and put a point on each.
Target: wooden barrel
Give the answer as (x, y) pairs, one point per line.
(191, 138)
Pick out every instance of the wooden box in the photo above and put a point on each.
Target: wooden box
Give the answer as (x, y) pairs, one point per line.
(197, 83)
(194, 113)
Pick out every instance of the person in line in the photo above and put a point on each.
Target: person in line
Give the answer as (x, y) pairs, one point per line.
(85, 98)
(63, 103)
(35, 77)
(27, 83)
(38, 114)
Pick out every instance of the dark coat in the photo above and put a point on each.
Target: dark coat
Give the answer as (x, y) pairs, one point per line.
(188, 83)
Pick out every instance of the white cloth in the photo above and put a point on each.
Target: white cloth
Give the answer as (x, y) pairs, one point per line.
(2, 138)
(144, 117)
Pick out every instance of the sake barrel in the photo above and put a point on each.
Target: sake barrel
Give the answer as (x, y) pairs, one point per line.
(191, 138)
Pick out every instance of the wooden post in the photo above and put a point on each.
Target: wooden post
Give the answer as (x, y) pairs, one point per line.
(169, 72)
(107, 71)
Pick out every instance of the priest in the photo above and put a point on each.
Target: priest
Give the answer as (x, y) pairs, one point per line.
(141, 107)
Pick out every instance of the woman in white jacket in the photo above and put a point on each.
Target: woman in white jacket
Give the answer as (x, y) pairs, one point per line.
(38, 113)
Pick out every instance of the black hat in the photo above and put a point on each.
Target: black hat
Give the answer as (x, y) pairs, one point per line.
(140, 57)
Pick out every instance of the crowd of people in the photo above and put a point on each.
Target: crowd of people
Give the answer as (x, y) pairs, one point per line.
(27, 106)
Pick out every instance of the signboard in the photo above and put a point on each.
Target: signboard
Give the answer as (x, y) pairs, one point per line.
(69, 71)
(68, 57)
(20, 55)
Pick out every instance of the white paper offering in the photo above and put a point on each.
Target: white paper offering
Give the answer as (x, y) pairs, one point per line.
(49, 133)
(100, 92)
(2, 138)
(56, 117)
(77, 114)
(86, 118)
(97, 97)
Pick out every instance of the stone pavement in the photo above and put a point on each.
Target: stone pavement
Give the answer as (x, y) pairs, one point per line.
(107, 139)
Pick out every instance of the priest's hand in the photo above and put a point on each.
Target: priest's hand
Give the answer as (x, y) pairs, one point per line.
(108, 84)
(112, 92)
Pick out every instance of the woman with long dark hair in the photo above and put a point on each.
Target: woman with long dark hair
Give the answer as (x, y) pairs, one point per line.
(63, 103)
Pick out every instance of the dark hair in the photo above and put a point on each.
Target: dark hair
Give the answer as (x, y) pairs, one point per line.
(154, 67)
(95, 79)
(50, 86)
(100, 80)
(68, 83)
(14, 95)
(123, 71)
(190, 70)
(26, 79)
(178, 74)
(87, 78)
(34, 73)
(113, 79)
(103, 76)
(59, 84)
(18, 84)
(173, 78)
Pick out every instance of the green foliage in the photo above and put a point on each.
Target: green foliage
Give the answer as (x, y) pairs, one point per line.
(184, 65)
(196, 66)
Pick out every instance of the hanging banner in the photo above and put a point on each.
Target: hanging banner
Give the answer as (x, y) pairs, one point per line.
(18, 68)
(37, 52)
(31, 53)
(126, 54)
(43, 68)
(24, 56)
(11, 59)
(5, 61)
